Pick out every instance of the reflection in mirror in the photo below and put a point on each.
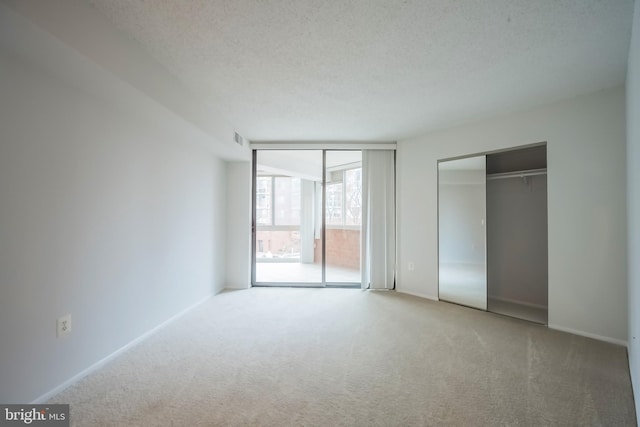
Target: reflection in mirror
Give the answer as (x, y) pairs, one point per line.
(462, 266)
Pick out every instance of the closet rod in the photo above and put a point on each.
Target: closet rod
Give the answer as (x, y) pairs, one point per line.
(517, 174)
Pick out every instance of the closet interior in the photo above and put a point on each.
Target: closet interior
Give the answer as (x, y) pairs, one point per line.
(492, 232)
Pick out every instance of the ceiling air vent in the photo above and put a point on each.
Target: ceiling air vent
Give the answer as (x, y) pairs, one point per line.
(238, 139)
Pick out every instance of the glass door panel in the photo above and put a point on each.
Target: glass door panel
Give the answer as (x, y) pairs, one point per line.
(288, 237)
(462, 262)
(343, 217)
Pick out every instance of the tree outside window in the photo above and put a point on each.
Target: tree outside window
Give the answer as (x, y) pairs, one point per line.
(344, 198)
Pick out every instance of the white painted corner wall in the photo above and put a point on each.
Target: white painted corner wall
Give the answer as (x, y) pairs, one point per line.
(111, 210)
(79, 26)
(633, 202)
(238, 267)
(586, 205)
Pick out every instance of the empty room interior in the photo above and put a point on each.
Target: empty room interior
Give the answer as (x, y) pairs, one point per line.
(360, 212)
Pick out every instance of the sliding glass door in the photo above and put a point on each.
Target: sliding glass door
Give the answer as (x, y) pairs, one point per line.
(343, 216)
(302, 199)
(287, 233)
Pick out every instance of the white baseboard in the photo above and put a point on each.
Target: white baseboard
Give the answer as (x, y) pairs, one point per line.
(551, 326)
(236, 286)
(514, 301)
(416, 294)
(617, 341)
(51, 393)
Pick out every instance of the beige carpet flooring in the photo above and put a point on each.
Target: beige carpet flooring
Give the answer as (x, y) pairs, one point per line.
(343, 357)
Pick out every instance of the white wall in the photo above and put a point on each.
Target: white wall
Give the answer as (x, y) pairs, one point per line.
(586, 202)
(238, 267)
(110, 210)
(633, 202)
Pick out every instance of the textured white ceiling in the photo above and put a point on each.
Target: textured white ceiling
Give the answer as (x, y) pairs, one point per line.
(378, 69)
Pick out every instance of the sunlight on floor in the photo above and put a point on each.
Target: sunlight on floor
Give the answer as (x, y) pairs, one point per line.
(294, 272)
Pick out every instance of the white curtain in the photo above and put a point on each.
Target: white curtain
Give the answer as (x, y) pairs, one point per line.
(378, 254)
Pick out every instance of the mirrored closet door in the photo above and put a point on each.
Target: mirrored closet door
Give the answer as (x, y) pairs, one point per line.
(462, 271)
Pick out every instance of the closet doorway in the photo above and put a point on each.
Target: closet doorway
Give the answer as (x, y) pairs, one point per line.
(517, 254)
(492, 232)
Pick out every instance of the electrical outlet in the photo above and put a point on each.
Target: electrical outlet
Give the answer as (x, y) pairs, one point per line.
(63, 326)
(411, 266)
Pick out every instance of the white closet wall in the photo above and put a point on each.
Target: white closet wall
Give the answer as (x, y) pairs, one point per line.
(517, 240)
